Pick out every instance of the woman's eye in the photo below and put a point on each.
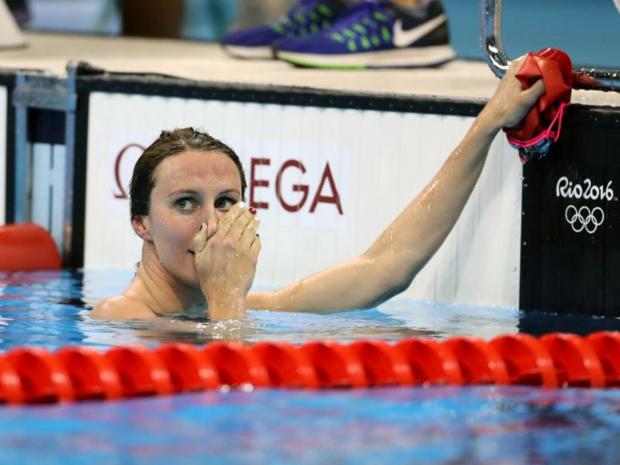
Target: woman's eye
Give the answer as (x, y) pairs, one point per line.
(185, 204)
(224, 203)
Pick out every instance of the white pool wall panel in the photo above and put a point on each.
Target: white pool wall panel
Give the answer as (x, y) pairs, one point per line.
(3, 136)
(378, 161)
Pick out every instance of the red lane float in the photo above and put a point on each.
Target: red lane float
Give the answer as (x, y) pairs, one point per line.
(575, 360)
(237, 365)
(335, 364)
(430, 361)
(286, 365)
(142, 372)
(43, 377)
(91, 373)
(11, 389)
(526, 359)
(479, 361)
(34, 375)
(383, 364)
(27, 246)
(190, 369)
(607, 348)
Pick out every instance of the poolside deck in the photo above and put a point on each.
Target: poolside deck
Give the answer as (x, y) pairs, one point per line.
(459, 79)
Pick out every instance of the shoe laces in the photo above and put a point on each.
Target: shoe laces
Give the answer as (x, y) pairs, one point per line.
(305, 17)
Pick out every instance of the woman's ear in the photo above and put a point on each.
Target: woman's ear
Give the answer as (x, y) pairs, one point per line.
(141, 226)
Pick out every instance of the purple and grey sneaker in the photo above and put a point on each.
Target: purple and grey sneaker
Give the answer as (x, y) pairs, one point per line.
(305, 18)
(375, 34)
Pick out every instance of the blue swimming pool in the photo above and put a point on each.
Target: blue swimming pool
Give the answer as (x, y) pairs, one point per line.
(486, 425)
(437, 425)
(50, 309)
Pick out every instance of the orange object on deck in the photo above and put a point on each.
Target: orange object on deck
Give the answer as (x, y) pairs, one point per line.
(27, 246)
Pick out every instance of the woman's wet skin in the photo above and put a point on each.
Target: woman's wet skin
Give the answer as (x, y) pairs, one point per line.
(191, 189)
(185, 266)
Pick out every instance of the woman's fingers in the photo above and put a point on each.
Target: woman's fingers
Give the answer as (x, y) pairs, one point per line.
(511, 103)
(533, 93)
(249, 234)
(525, 100)
(238, 227)
(256, 245)
(226, 270)
(230, 218)
(516, 63)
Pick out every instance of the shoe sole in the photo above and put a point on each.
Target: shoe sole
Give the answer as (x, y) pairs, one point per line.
(396, 58)
(252, 53)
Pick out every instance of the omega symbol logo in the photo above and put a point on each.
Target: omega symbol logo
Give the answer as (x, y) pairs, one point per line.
(584, 218)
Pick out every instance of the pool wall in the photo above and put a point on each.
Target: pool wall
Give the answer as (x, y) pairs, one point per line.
(570, 252)
(327, 171)
(4, 106)
(326, 180)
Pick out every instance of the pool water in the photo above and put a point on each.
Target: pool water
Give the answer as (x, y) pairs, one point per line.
(50, 310)
(435, 425)
(475, 425)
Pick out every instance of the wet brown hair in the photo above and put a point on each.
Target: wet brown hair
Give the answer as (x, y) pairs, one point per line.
(167, 144)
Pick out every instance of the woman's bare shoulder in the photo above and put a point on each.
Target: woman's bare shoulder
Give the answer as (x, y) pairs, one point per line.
(122, 307)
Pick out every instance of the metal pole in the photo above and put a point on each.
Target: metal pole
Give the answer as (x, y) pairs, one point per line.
(491, 42)
(39, 90)
(23, 169)
(67, 223)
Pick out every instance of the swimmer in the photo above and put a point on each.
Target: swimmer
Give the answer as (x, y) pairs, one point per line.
(200, 242)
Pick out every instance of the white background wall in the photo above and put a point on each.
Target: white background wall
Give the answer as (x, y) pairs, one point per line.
(3, 114)
(379, 161)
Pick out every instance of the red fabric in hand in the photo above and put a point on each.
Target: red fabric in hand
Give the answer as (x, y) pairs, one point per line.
(556, 69)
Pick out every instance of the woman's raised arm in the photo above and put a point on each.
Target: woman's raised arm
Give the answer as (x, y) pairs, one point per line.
(403, 248)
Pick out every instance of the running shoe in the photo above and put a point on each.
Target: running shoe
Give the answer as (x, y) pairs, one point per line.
(375, 34)
(306, 17)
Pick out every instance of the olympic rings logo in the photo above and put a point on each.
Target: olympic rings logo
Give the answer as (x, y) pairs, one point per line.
(583, 218)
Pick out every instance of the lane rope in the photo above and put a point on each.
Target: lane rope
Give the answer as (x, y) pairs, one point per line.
(31, 375)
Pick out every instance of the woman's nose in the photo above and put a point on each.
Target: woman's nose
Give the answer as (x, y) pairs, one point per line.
(211, 220)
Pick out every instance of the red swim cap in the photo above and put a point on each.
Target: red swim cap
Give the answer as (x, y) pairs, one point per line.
(541, 126)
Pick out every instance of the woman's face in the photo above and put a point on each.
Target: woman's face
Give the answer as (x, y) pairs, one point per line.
(191, 188)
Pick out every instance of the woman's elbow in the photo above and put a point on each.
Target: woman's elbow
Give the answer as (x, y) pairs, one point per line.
(388, 282)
